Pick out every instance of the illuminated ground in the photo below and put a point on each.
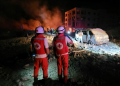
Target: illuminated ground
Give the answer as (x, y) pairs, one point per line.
(95, 69)
(108, 48)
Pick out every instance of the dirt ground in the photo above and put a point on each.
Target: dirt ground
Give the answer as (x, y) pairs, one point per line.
(86, 69)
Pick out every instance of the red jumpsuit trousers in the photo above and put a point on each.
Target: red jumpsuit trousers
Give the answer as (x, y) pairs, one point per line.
(63, 61)
(43, 62)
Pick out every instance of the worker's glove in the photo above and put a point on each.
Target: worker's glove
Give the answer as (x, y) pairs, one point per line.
(48, 56)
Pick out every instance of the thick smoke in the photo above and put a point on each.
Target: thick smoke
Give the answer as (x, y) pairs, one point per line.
(29, 15)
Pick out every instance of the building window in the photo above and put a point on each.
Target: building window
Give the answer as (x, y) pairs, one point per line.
(78, 18)
(83, 12)
(65, 14)
(73, 18)
(73, 12)
(70, 13)
(78, 11)
(83, 18)
(73, 24)
(65, 19)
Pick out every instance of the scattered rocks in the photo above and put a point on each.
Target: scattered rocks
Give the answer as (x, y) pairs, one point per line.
(83, 65)
(25, 78)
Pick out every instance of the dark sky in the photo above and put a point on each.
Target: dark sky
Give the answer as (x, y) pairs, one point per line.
(95, 4)
(10, 7)
(14, 10)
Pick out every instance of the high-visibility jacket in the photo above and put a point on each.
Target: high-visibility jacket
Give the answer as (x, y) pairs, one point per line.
(38, 43)
(60, 45)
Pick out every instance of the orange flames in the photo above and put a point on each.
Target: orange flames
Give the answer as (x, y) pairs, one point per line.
(40, 16)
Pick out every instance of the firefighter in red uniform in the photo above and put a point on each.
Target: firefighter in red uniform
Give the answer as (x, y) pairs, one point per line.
(61, 51)
(41, 48)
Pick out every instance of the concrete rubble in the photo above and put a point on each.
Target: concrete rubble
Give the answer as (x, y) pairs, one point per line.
(83, 60)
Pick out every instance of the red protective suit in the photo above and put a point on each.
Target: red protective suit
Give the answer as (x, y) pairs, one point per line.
(61, 50)
(38, 43)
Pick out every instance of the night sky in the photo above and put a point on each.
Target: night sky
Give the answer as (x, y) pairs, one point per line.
(20, 11)
(94, 4)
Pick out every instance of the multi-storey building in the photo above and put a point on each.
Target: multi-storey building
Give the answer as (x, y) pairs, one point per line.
(85, 18)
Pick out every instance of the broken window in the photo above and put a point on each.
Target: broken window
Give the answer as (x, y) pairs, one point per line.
(78, 11)
(83, 12)
(65, 14)
(73, 12)
(73, 18)
(78, 18)
(83, 18)
(73, 24)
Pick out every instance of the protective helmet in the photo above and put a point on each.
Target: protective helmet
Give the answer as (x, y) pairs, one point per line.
(60, 29)
(39, 30)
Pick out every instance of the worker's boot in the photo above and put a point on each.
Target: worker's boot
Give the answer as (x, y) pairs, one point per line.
(60, 77)
(35, 81)
(65, 79)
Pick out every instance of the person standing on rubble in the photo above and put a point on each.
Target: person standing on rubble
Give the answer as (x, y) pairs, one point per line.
(40, 46)
(80, 34)
(61, 52)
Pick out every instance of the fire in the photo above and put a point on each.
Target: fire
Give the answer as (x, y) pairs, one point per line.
(39, 16)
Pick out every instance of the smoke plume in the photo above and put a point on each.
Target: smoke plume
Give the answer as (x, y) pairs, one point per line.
(29, 14)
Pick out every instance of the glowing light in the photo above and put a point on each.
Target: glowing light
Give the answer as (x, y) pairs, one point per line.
(68, 32)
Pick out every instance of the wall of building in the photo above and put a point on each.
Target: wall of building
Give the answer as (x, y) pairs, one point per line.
(85, 18)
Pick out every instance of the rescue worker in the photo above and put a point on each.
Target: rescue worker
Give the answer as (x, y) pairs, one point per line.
(41, 48)
(61, 52)
(80, 34)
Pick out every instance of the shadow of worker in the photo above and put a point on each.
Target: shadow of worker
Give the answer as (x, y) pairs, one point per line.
(47, 82)
(50, 82)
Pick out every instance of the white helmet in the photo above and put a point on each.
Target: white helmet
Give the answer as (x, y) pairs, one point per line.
(61, 29)
(39, 30)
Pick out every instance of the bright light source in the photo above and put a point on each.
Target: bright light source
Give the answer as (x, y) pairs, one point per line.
(68, 32)
(33, 55)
